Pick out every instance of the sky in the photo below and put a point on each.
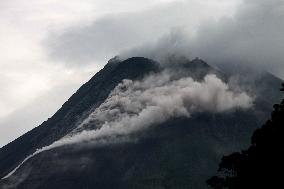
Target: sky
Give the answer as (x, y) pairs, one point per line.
(49, 48)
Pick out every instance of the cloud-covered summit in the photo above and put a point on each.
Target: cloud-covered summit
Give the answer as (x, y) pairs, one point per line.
(252, 36)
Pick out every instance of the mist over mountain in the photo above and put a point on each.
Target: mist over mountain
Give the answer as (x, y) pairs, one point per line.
(141, 123)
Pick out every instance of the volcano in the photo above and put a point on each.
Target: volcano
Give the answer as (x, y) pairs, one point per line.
(180, 148)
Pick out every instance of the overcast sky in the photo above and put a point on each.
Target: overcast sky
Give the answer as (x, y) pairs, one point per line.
(49, 48)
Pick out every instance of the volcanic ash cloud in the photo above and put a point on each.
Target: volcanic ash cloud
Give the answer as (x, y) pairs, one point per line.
(136, 105)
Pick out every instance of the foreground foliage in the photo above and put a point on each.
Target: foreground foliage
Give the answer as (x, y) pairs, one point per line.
(261, 165)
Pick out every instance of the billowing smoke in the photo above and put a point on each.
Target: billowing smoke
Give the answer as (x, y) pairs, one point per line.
(134, 106)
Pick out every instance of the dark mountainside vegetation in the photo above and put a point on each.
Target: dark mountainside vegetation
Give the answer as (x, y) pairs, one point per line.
(262, 164)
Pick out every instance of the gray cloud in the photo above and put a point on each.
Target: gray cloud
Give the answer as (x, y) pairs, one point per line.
(106, 37)
(253, 36)
(174, 43)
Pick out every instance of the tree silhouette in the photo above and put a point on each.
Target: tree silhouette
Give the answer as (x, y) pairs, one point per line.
(262, 164)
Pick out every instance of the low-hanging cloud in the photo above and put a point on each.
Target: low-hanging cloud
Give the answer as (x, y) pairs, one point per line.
(108, 36)
(252, 38)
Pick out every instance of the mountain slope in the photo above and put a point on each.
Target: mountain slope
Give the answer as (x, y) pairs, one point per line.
(90, 95)
(180, 153)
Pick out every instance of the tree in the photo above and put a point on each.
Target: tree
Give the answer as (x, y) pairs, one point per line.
(262, 164)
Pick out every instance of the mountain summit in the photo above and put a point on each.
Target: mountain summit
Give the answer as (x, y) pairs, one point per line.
(141, 124)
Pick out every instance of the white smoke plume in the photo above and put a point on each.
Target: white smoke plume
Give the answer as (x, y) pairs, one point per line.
(136, 105)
